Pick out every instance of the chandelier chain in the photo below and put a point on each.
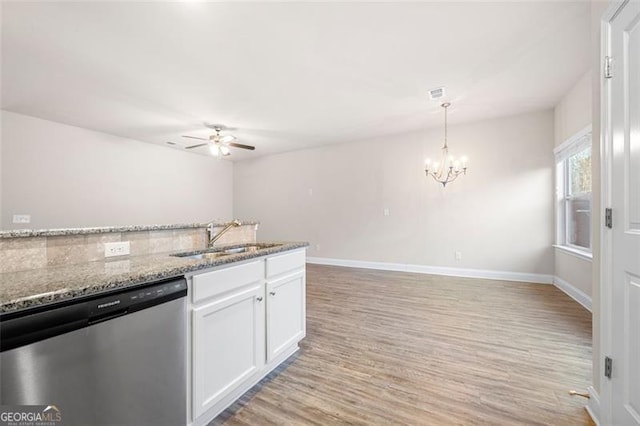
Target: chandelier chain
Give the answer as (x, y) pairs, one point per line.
(445, 106)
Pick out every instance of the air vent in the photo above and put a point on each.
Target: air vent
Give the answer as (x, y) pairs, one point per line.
(435, 94)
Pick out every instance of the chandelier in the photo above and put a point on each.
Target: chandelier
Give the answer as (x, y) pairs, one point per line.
(449, 168)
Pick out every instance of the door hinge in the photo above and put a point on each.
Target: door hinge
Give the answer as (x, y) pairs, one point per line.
(608, 217)
(608, 68)
(608, 366)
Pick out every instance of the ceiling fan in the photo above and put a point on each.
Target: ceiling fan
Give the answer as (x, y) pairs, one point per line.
(218, 144)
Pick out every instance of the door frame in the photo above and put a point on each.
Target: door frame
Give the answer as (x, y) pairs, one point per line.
(604, 409)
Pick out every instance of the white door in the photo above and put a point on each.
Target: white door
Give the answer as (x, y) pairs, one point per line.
(228, 345)
(286, 324)
(625, 199)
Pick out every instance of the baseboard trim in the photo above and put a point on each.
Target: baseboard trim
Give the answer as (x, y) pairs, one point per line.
(437, 270)
(593, 406)
(573, 292)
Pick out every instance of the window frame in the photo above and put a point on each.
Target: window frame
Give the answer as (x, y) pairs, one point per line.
(572, 146)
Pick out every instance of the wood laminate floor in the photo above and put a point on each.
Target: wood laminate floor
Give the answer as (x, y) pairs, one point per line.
(400, 348)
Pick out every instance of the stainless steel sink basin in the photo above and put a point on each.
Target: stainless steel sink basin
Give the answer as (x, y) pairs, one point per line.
(208, 255)
(214, 253)
(245, 249)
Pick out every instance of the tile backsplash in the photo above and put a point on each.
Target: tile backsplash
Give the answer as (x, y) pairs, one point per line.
(24, 253)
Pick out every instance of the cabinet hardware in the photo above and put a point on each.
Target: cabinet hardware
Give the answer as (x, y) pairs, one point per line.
(273, 293)
(259, 299)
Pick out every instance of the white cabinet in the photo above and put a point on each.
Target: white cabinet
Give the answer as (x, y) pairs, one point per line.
(228, 343)
(286, 323)
(285, 263)
(245, 320)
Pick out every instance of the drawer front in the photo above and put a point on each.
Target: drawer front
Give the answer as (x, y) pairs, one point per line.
(278, 265)
(211, 284)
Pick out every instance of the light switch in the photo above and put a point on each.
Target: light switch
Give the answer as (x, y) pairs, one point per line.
(385, 212)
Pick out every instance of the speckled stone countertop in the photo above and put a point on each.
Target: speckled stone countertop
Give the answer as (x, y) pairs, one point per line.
(18, 233)
(36, 287)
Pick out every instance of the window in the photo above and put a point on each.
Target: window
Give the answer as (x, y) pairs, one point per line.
(573, 188)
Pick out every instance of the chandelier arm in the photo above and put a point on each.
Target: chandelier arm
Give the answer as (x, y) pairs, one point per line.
(435, 177)
(458, 173)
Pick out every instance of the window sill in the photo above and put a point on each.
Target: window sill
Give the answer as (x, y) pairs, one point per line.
(584, 255)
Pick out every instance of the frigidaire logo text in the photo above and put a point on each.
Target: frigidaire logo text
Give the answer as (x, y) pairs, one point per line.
(106, 305)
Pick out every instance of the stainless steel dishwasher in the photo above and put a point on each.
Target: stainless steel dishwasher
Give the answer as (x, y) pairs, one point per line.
(115, 359)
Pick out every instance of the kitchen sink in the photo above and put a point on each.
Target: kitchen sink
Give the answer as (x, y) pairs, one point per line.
(245, 249)
(214, 253)
(207, 255)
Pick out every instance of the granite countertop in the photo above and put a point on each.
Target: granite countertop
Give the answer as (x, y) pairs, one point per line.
(19, 233)
(26, 289)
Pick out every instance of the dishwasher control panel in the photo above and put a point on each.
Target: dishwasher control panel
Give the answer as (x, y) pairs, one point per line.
(133, 300)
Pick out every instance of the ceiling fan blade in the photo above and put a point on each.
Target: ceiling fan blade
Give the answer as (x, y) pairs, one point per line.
(196, 146)
(239, 145)
(194, 137)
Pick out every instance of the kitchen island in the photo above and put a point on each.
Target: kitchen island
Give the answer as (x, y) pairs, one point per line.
(35, 287)
(244, 312)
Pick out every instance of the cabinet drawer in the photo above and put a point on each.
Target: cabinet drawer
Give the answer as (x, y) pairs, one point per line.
(287, 262)
(214, 283)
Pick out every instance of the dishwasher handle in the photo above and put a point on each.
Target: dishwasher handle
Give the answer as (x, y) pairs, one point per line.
(108, 316)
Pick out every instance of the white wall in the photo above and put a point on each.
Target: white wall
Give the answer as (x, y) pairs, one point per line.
(65, 176)
(500, 216)
(572, 114)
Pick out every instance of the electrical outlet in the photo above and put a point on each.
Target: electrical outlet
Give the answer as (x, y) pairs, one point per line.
(21, 218)
(116, 249)
(458, 255)
(385, 212)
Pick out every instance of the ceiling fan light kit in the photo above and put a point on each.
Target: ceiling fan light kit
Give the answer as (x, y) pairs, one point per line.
(449, 168)
(219, 150)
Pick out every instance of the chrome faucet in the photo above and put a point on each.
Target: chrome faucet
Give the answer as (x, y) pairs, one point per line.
(213, 238)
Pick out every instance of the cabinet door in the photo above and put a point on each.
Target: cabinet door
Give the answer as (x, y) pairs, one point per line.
(228, 345)
(286, 314)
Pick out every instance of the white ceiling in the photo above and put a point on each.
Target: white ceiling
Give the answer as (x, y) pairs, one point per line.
(286, 75)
